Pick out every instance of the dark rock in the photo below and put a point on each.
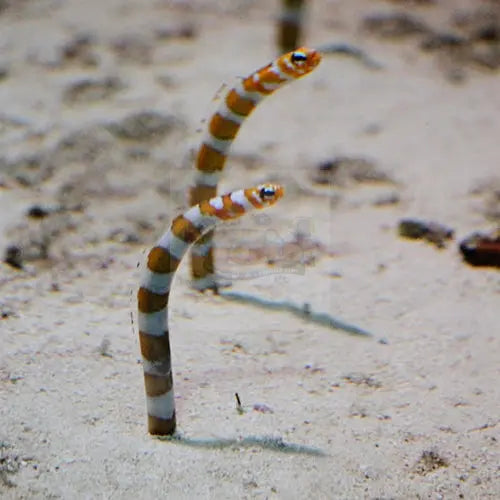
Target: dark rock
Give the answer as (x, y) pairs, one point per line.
(482, 249)
(14, 256)
(432, 232)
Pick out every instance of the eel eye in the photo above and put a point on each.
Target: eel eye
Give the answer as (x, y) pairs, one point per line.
(267, 193)
(298, 57)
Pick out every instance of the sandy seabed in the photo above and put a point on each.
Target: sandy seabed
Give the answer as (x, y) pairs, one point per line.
(101, 104)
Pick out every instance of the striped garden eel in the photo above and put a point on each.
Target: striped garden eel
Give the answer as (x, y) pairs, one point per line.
(290, 24)
(235, 106)
(152, 297)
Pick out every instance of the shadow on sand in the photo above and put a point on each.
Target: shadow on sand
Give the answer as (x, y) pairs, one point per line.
(264, 442)
(303, 312)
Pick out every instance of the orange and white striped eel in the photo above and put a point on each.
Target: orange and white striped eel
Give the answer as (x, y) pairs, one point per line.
(152, 297)
(235, 106)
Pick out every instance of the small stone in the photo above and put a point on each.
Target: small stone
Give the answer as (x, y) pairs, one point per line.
(262, 408)
(37, 212)
(14, 256)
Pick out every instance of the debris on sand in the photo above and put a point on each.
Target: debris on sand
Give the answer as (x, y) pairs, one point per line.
(432, 232)
(343, 171)
(429, 461)
(482, 249)
(80, 49)
(13, 256)
(133, 48)
(89, 90)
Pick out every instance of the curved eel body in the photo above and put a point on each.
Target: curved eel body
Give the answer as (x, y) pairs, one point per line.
(162, 262)
(236, 105)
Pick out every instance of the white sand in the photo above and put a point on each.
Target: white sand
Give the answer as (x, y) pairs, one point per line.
(411, 412)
